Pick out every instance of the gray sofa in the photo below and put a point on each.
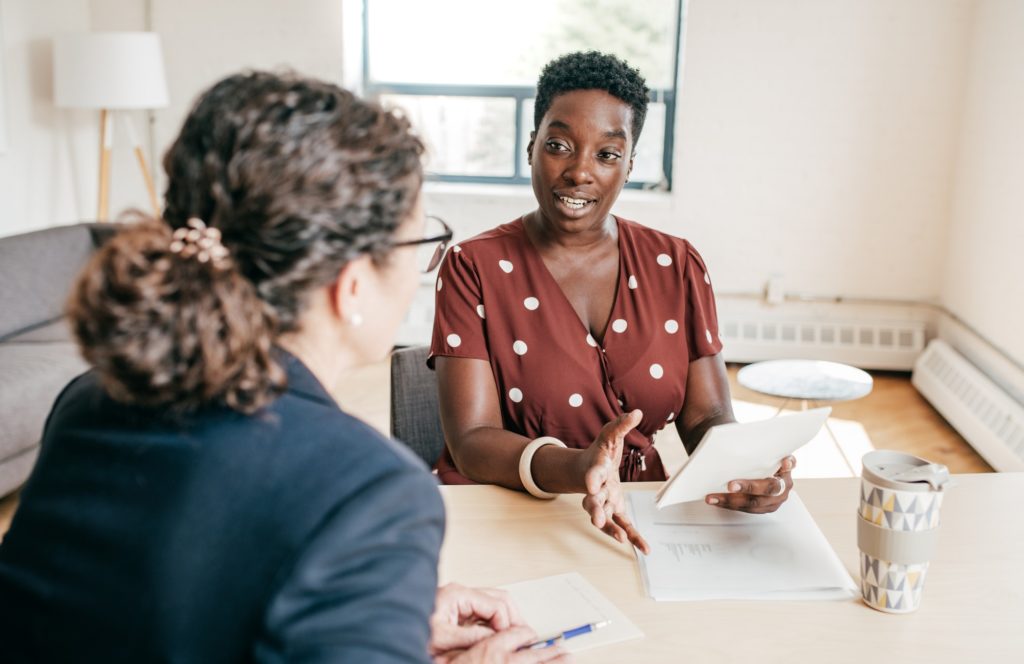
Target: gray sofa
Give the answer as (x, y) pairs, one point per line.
(37, 354)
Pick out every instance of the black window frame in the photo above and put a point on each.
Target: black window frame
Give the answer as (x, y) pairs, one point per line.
(521, 94)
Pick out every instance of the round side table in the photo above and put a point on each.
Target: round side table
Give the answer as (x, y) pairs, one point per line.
(810, 381)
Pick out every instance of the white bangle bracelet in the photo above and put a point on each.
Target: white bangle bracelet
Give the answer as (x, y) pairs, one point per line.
(525, 470)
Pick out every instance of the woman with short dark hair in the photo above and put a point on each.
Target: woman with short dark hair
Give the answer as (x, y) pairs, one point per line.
(566, 339)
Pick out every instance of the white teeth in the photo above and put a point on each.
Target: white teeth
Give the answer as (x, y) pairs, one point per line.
(574, 203)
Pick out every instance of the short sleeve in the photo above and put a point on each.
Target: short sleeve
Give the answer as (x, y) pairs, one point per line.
(459, 312)
(701, 313)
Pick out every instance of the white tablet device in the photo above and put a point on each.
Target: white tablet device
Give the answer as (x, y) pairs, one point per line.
(749, 450)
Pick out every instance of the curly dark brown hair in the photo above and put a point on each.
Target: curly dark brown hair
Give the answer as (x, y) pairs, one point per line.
(592, 70)
(300, 177)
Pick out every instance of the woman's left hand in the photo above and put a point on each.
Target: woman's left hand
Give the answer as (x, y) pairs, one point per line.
(757, 496)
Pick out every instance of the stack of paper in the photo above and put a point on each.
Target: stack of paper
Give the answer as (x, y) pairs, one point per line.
(555, 604)
(703, 552)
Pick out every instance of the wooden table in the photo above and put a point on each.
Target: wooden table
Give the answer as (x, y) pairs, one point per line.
(972, 609)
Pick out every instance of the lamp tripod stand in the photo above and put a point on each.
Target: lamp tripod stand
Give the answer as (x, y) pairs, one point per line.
(106, 146)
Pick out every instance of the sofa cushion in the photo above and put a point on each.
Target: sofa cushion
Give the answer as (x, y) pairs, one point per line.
(31, 377)
(36, 272)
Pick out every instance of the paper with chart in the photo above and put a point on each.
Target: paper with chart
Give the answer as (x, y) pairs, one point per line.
(702, 552)
(740, 451)
(554, 604)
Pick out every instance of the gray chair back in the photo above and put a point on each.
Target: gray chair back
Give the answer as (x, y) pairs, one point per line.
(415, 412)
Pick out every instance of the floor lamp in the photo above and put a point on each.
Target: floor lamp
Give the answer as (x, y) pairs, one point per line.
(111, 72)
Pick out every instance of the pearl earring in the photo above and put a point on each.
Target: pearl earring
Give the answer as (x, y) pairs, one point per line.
(355, 320)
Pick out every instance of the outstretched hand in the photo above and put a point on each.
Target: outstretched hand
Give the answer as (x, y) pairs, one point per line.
(604, 500)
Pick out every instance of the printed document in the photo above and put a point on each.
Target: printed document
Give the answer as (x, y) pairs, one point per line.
(703, 552)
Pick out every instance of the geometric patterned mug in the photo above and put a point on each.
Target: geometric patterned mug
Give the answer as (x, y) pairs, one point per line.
(897, 523)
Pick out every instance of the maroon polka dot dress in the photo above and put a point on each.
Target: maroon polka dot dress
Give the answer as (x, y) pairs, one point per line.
(497, 301)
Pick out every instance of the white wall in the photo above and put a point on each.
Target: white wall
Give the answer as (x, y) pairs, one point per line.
(816, 139)
(204, 41)
(48, 172)
(984, 264)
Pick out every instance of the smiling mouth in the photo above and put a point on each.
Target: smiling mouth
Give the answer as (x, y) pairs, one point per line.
(573, 203)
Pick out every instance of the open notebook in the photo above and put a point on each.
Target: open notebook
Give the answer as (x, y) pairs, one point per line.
(702, 552)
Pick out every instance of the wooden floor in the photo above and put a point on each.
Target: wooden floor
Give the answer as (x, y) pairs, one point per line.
(894, 416)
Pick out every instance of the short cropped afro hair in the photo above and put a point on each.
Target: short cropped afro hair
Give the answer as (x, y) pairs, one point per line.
(592, 70)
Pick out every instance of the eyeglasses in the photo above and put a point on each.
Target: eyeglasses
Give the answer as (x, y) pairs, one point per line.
(430, 250)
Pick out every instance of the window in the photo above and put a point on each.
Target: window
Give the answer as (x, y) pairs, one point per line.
(464, 72)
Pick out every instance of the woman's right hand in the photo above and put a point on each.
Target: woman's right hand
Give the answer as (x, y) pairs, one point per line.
(503, 648)
(604, 501)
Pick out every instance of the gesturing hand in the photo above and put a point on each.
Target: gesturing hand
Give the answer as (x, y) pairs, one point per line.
(603, 501)
(758, 496)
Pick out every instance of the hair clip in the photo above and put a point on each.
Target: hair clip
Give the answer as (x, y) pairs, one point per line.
(195, 239)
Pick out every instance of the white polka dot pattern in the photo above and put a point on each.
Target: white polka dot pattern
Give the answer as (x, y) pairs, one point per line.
(571, 381)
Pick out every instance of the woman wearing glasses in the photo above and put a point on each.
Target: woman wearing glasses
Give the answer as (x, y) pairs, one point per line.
(200, 497)
(564, 340)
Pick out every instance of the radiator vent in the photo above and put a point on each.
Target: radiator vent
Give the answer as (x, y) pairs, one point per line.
(985, 415)
(867, 344)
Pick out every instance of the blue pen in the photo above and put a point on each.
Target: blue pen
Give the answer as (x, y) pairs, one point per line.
(567, 634)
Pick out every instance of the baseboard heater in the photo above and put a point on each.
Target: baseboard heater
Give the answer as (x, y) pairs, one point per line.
(984, 414)
(868, 344)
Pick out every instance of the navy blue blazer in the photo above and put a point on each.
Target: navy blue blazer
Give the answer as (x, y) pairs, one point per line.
(297, 534)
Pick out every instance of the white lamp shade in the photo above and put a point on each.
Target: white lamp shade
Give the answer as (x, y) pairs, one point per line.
(115, 70)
